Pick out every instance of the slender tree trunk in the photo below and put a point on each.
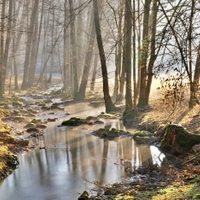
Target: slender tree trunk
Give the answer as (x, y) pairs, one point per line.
(94, 71)
(127, 55)
(2, 33)
(108, 102)
(73, 47)
(134, 62)
(87, 63)
(28, 45)
(8, 40)
(79, 46)
(144, 55)
(118, 53)
(194, 87)
(65, 52)
(153, 55)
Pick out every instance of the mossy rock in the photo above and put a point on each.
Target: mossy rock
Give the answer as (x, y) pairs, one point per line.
(46, 108)
(41, 104)
(143, 137)
(36, 121)
(107, 116)
(110, 133)
(32, 130)
(31, 115)
(47, 101)
(29, 125)
(84, 196)
(17, 103)
(32, 110)
(20, 119)
(74, 121)
(93, 120)
(178, 140)
(3, 104)
(41, 126)
(16, 112)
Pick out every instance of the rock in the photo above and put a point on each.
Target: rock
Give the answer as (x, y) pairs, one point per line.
(143, 137)
(84, 196)
(41, 126)
(74, 121)
(30, 130)
(110, 133)
(36, 121)
(29, 125)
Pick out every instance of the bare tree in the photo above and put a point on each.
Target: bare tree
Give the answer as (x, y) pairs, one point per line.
(108, 102)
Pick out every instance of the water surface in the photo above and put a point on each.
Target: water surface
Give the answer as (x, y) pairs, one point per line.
(73, 161)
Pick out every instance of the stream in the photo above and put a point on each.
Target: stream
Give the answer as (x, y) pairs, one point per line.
(74, 160)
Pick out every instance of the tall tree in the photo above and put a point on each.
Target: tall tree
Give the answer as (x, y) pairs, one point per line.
(108, 102)
(127, 54)
(73, 47)
(118, 58)
(28, 45)
(144, 55)
(2, 33)
(87, 63)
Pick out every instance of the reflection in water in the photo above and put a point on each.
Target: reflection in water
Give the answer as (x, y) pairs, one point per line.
(73, 160)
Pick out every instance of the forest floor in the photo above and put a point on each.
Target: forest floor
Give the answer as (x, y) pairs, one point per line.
(179, 176)
(177, 179)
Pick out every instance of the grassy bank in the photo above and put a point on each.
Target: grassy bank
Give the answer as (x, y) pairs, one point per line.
(9, 147)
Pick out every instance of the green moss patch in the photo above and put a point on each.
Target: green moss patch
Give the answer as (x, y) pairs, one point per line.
(74, 121)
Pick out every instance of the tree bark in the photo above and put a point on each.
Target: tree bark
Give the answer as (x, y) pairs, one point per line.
(28, 46)
(144, 55)
(108, 102)
(87, 63)
(153, 55)
(127, 55)
(177, 140)
(73, 47)
(2, 33)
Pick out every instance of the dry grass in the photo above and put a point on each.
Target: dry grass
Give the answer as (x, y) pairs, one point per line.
(163, 111)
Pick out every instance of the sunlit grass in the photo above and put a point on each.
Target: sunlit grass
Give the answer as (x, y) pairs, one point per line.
(179, 192)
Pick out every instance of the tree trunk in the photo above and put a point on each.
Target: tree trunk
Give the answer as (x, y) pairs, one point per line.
(153, 55)
(8, 40)
(118, 53)
(177, 140)
(144, 55)
(73, 47)
(28, 46)
(2, 33)
(94, 73)
(134, 63)
(87, 63)
(127, 56)
(108, 102)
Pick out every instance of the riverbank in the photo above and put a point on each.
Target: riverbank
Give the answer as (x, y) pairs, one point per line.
(150, 182)
(9, 147)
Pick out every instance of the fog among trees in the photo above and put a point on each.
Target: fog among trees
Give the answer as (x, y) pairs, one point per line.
(123, 43)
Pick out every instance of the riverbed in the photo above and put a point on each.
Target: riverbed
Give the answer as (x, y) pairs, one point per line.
(74, 160)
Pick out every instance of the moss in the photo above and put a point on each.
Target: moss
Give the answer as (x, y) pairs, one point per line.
(84, 196)
(143, 137)
(74, 121)
(107, 116)
(36, 121)
(29, 125)
(178, 140)
(107, 132)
